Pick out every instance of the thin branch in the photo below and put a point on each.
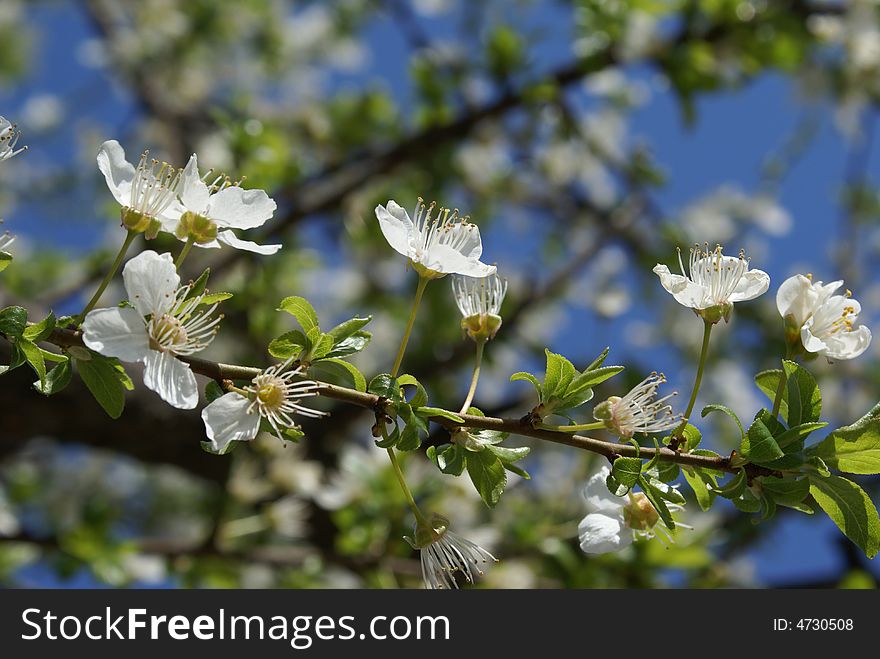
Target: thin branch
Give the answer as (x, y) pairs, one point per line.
(611, 450)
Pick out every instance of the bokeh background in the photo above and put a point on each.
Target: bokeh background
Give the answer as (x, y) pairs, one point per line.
(587, 138)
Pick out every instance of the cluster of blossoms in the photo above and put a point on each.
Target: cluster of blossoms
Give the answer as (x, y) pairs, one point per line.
(9, 136)
(200, 209)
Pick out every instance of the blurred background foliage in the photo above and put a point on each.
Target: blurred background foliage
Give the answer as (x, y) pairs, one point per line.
(588, 138)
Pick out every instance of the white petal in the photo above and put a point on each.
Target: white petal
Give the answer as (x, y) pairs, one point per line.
(151, 281)
(227, 420)
(752, 284)
(446, 260)
(473, 243)
(194, 192)
(237, 208)
(600, 534)
(232, 240)
(396, 226)
(116, 332)
(171, 379)
(170, 217)
(683, 289)
(797, 298)
(597, 496)
(810, 341)
(848, 345)
(117, 171)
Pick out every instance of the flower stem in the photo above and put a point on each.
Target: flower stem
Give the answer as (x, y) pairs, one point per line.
(129, 239)
(420, 516)
(423, 282)
(704, 351)
(184, 252)
(476, 377)
(596, 425)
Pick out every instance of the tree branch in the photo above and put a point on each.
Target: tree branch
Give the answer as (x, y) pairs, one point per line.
(611, 450)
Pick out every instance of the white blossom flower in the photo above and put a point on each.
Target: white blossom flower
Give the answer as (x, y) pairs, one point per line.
(436, 245)
(272, 395)
(147, 193)
(9, 136)
(713, 282)
(443, 553)
(160, 325)
(613, 523)
(639, 410)
(479, 300)
(825, 323)
(213, 209)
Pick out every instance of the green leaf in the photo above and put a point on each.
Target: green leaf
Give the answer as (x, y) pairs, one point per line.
(5, 260)
(850, 508)
(853, 449)
(290, 344)
(213, 391)
(214, 298)
(349, 345)
(488, 475)
(420, 397)
(626, 471)
(797, 433)
(199, 285)
(299, 308)
(786, 491)
(385, 386)
(696, 478)
(726, 410)
(803, 398)
(345, 329)
(102, 379)
(449, 458)
(655, 496)
(341, 369)
(322, 344)
(591, 378)
(523, 376)
(596, 363)
(557, 375)
(56, 379)
(436, 411)
(508, 455)
(13, 321)
(40, 331)
(759, 444)
(34, 357)
(733, 488)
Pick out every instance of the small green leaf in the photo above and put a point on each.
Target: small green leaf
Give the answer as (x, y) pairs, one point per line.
(803, 398)
(786, 491)
(797, 433)
(345, 329)
(290, 344)
(449, 458)
(420, 397)
(523, 376)
(558, 374)
(349, 345)
(733, 488)
(626, 471)
(589, 379)
(508, 455)
(56, 379)
(850, 508)
(853, 449)
(302, 310)
(322, 344)
(696, 478)
(759, 444)
(429, 412)
(199, 285)
(339, 368)
(5, 260)
(596, 363)
(40, 331)
(384, 386)
(13, 321)
(102, 379)
(34, 357)
(655, 496)
(488, 475)
(726, 410)
(214, 298)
